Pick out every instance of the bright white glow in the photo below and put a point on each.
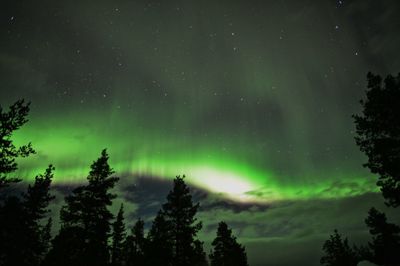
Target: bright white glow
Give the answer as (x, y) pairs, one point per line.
(233, 185)
(220, 181)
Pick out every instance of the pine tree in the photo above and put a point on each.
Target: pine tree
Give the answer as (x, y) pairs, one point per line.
(85, 220)
(338, 252)
(135, 245)
(179, 211)
(36, 202)
(38, 197)
(21, 229)
(226, 250)
(11, 121)
(378, 134)
(118, 237)
(45, 239)
(159, 242)
(67, 248)
(13, 233)
(385, 245)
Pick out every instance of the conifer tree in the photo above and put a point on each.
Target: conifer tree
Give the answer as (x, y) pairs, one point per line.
(24, 240)
(68, 248)
(36, 202)
(338, 252)
(179, 211)
(11, 121)
(378, 134)
(118, 238)
(135, 245)
(85, 220)
(385, 244)
(159, 242)
(13, 233)
(226, 250)
(46, 238)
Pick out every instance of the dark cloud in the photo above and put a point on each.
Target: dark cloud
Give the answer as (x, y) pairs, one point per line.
(292, 232)
(64, 190)
(147, 192)
(150, 192)
(234, 206)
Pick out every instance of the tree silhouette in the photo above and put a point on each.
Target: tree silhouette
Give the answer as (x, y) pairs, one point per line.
(385, 245)
(338, 252)
(226, 250)
(199, 256)
(118, 238)
(159, 242)
(135, 245)
(179, 211)
(67, 248)
(24, 240)
(13, 232)
(9, 122)
(85, 220)
(36, 202)
(378, 134)
(46, 238)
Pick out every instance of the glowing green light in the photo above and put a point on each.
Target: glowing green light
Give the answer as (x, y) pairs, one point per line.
(71, 145)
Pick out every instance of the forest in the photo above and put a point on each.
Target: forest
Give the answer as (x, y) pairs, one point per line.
(90, 234)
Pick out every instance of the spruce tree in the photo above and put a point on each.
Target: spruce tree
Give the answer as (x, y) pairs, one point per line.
(179, 211)
(159, 242)
(135, 245)
(378, 134)
(13, 233)
(24, 240)
(338, 252)
(85, 220)
(226, 250)
(38, 197)
(68, 248)
(36, 202)
(118, 238)
(385, 244)
(45, 239)
(11, 121)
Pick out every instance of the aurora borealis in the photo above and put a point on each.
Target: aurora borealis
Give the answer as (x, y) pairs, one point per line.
(251, 100)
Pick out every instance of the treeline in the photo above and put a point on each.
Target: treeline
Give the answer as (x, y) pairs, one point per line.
(378, 136)
(90, 234)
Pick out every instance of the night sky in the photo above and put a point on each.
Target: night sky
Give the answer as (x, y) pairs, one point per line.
(251, 100)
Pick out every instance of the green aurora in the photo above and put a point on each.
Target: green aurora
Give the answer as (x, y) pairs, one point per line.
(235, 171)
(243, 100)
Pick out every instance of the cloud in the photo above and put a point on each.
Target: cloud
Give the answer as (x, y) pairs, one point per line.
(295, 227)
(150, 192)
